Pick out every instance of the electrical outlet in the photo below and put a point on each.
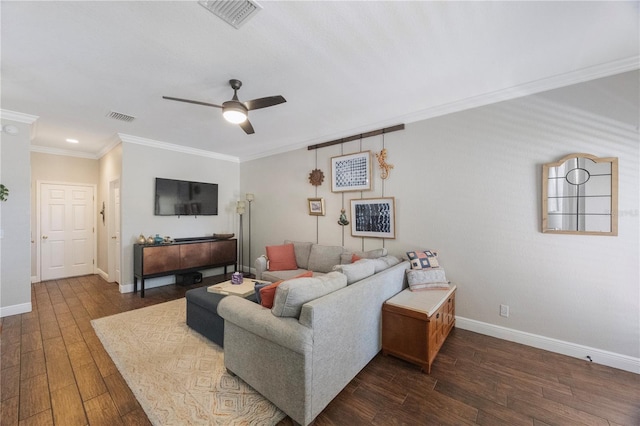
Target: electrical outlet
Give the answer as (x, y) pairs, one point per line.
(504, 311)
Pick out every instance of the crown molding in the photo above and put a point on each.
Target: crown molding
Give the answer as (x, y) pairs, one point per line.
(18, 116)
(538, 86)
(176, 148)
(64, 152)
(115, 141)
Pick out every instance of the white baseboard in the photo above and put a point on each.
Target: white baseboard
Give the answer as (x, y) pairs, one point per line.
(15, 309)
(103, 274)
(34, 279)
(599, 356)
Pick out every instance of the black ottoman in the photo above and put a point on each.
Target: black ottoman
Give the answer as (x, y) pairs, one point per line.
(202, 313)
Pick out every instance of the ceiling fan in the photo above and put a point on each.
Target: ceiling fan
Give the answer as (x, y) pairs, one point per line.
(235, 111)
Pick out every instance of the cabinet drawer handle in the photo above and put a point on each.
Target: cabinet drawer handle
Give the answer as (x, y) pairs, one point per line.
(438, 315)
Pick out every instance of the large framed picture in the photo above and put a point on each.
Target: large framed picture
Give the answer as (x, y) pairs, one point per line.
(351, 172)
(316, 206)
(373, 217)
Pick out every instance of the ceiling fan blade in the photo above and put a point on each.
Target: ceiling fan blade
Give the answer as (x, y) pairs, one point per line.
(247, 127)
(264, 102)
(189, 101)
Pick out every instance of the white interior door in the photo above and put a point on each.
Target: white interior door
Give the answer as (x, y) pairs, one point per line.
(66, 230)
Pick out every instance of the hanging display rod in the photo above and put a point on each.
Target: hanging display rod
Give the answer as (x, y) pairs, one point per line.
(360, 136)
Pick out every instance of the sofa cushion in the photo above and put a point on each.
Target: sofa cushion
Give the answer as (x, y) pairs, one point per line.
(268, 292)
(357, 271)
(384, 262)
(292, 294)
(427, 279)
(324, 258)
(302, 250)
(274, 276)
(423, 259)
(281, 257)
(348, 256)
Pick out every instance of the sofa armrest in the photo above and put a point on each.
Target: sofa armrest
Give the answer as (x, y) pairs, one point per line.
(250, 316)
(260, 266)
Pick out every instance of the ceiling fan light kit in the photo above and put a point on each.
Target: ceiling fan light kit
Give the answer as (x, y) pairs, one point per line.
(234, 111)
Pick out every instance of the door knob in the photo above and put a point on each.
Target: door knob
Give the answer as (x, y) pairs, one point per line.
(44, 237)
(114, 237)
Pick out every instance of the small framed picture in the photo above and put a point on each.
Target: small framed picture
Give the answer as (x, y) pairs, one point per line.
(316, 206)
(351, 172)
(373, 217)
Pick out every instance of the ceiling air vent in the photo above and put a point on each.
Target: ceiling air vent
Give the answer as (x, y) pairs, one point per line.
(120, 116)
(234, 12)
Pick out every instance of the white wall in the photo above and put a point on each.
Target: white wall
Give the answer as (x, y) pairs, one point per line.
(15, 239)
(468, 184)
(141, 164)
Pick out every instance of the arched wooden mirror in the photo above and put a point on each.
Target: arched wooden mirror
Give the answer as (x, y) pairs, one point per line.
(580, 195)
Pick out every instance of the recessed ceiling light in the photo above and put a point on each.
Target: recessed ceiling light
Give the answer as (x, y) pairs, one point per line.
(72, 140)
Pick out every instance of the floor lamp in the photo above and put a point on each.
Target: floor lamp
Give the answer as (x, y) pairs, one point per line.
(250, 197)
(240, 211)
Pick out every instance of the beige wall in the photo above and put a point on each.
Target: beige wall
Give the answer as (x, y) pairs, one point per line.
(110, 171)
(57, 169)
(468, 185)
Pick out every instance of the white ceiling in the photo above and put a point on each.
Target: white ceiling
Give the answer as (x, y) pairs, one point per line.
(344, 67)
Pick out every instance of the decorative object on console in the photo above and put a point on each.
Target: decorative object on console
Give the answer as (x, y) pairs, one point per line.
(223, 236)
(351, 172)
(385, 168)
(150, 240)
(158, 239)
(316, 206)
(580, 195)
(316, 177)
(423, 259)
(373, 217)
(343, 218)
(141, 239)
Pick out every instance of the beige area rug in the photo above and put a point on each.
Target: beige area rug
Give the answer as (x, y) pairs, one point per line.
(177, 375)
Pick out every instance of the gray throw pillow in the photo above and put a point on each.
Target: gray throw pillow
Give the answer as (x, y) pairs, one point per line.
(301, 250)
(292, 294)
(324, 258)
(385, 262)
(370, 254)
(427, 279)
(357, 271)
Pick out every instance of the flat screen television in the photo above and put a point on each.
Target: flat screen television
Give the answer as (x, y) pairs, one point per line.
(184, 198)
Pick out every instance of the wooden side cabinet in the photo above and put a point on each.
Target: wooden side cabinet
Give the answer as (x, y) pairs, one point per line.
(416, 324)
(150, 261)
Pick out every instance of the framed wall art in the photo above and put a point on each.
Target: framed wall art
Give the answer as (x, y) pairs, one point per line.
(316, 206)
(373, 217)
(351, 172)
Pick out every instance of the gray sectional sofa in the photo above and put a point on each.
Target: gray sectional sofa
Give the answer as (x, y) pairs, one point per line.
(319, 334)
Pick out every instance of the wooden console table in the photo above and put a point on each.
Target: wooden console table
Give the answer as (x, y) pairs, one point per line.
(416, 324)
(150, 261)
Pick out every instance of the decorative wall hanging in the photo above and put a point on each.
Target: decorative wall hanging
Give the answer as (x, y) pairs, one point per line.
(373, 217)
(382, 162)
(316, 177)
(316, 206)
(351, 172)
(343, 218)
(102, 212)
(580, 195)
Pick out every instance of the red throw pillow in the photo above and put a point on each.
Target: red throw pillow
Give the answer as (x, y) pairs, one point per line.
(268, 293)
(281, 258)
(355, 258)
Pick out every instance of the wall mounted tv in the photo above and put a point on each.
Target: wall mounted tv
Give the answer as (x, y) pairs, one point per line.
(183, 198)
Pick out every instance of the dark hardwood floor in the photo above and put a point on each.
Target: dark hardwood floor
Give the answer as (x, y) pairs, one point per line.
(54, 370)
